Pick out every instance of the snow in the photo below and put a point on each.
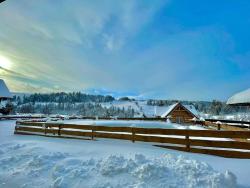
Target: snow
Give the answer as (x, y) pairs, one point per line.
(34, 161)
(133, 123)
(3, 103)
(121, 104)
(170, 108)
(240, 98)
(4, 91)
(140, 107)
(193, 110)
(234, 116)
(163, 111)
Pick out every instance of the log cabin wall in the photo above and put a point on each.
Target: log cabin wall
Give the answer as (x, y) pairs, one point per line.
(181, 115)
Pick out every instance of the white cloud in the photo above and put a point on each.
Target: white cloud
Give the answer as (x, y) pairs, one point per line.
(74, 45)
(57, 44)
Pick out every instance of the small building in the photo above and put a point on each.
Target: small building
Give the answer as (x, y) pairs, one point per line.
(5, 96)
(181, 114)
(240, 99)
(4, 91)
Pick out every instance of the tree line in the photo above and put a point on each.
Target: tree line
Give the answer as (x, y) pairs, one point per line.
(90, 105)
(62, 97)
(83, 109)
(214, 108)
(74, 103)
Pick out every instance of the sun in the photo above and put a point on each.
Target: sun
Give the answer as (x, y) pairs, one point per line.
(5, 62)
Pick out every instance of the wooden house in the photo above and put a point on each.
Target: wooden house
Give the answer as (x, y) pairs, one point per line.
(5, 96)
(181, 114)
(4, 91)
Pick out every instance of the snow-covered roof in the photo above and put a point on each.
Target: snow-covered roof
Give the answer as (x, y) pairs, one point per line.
(4, 91)
(170, 108)
(153, 111)
(190, 108)
(149, 110)
(240, 98)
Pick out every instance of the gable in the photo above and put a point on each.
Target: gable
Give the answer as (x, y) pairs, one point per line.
(169, 110)
(178, 107)
(4, 91)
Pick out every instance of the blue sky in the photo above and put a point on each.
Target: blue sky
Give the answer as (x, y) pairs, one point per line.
(172, 49)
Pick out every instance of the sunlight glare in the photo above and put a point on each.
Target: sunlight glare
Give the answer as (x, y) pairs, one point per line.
(5, 62)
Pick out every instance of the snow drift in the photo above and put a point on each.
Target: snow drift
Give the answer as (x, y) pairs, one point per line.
(26, 165)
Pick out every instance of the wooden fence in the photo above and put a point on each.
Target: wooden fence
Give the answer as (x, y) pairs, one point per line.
(225, 126)
(233, 122)
(185, 140)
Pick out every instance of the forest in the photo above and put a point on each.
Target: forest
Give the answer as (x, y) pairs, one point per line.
(78, 103)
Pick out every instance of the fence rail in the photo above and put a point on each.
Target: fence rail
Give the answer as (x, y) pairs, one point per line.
(229, 121)
(198, 141)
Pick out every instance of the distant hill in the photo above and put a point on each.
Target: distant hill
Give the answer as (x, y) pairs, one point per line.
(114, 94)
(20, 94)
(105, 105)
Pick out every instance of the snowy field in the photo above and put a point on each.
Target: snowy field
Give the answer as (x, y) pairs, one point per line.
(34, 161)
(235, 116)
(132, 123)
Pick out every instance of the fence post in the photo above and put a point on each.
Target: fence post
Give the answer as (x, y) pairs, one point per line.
(133, 135)
(187, 141)
(218, 125)
(44, 125)
(92, 133)
(59, 130)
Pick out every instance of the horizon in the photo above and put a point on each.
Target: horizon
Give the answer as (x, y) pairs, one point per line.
(180, 50)
(116, 96)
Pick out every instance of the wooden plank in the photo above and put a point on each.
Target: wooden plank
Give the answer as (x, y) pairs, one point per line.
(221, 144)
(73, 126)
(112, 129)
(159, 139)
(187, 143)
(67, 137)
(221, 153)
(219, 134)
(52, 131)
(114, 136)
(27, 133)
(194, 133)
(75, 133)
(29, 129)
(32, 129)
(179, 148)
(160, 131)
(39, 124)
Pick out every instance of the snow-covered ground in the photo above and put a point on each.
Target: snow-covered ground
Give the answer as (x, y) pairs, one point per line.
(122, 104)
(132, 123)
(34, 161)
(140, 107)
(235, 116)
